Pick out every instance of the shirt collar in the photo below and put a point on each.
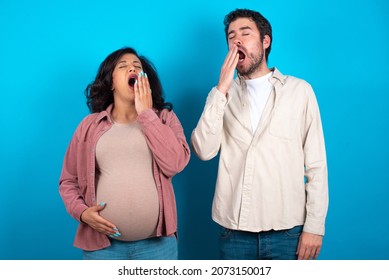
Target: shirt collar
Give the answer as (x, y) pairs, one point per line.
(105, 114)
(278, 76)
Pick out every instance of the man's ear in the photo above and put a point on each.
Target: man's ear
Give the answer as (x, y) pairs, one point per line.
(266, 42)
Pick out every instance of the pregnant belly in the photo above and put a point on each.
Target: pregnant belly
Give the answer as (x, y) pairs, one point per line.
(135, 213)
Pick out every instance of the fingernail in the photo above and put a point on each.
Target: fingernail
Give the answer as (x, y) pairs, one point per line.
(102, 203)
(111, 235)
(117, 234)
(140, 73)
(115, 228)
(146, 75)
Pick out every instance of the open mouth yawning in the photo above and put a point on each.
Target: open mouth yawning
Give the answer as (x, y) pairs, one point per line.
(131, 80)
(242, 56)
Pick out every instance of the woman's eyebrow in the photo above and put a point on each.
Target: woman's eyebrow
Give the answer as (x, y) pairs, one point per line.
(125, 62)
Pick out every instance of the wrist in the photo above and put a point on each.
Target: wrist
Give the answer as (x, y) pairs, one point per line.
(222, 90)
(81, 219)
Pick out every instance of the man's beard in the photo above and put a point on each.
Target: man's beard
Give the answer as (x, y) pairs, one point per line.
(254, 66)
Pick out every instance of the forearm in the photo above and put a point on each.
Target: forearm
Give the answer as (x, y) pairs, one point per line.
(317, 198)
(315, 171)
(74, 202)
(207, 136)
(167, 142)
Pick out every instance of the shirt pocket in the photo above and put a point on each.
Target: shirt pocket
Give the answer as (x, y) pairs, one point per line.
(283, 125)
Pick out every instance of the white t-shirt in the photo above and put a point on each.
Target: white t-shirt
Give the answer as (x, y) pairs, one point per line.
(258, 90)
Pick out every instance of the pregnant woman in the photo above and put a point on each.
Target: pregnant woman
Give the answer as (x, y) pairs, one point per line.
(117, 171)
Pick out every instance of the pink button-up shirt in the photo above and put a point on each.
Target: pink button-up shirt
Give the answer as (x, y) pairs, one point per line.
(166, 140)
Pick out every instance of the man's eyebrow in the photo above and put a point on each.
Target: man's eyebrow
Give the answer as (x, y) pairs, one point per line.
(240, 29)
(245, 27)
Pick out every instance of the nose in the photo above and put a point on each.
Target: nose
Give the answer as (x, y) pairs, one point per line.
(132, 69)
(237, 42)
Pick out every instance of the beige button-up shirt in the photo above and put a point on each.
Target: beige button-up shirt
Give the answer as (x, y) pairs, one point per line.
(275, 178)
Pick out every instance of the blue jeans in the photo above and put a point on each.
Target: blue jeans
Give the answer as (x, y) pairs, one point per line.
(158, 248)
(265, 245)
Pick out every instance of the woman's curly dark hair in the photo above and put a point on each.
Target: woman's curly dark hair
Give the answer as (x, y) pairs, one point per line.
(261, 22)
(99, 93)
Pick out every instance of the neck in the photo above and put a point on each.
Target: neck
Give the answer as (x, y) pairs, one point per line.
(124, 113)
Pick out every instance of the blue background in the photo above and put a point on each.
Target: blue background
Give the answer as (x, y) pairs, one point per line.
(50, 51)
